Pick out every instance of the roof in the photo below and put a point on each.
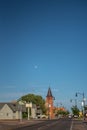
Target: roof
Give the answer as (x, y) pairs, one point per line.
(49, 94)
(14, 106)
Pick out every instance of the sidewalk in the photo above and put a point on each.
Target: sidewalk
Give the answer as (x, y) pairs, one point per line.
(79, 125)
(9, 125)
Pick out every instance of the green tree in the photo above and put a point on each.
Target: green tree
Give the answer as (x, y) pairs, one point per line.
(75, 110)
(85, 108)
(62, 112)
(35, 99)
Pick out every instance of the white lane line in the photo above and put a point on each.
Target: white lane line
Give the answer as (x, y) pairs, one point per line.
(71, 126)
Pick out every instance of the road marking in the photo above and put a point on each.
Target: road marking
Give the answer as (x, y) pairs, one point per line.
(71, 126)
(47, 125)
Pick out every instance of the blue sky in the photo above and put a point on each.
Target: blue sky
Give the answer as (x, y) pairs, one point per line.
(43, 43)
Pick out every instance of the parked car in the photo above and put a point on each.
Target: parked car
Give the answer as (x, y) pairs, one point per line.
(75, 116)
(70, 116)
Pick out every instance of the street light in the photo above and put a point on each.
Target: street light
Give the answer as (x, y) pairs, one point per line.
(83, 100)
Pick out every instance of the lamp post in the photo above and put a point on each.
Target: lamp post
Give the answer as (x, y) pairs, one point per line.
(83, 100)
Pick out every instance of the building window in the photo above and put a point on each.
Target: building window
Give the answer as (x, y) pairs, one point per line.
(7, 114)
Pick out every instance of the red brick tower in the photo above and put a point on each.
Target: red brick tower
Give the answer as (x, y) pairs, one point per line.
(49, 104)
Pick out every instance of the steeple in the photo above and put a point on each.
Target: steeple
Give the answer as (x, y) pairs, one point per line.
(49, 94)
(49, 104)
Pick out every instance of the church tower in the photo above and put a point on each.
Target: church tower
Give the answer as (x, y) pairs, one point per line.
(49, 104)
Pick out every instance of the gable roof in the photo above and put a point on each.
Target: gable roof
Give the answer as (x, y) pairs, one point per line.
(14, 106)
(49, 94)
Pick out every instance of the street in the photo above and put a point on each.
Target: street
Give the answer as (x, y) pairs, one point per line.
(57, 124)
(61, 124)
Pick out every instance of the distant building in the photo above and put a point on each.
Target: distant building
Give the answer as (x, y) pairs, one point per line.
(14, 110)
(35, 111)
(49, 104)
(38, 112)
(56, 109)
(10, 111)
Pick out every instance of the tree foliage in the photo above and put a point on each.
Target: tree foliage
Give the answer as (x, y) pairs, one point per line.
(75, 110)
(85, 108)
(62, 112)
(35, 99)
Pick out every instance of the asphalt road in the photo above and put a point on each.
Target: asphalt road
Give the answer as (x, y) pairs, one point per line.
(61, 124)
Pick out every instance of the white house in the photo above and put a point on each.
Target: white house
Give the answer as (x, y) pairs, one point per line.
(10, 111)
(13, 111)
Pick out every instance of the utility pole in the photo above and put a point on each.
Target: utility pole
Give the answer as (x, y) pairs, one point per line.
(83, 100)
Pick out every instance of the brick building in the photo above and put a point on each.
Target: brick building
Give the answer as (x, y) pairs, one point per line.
(49, 104)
